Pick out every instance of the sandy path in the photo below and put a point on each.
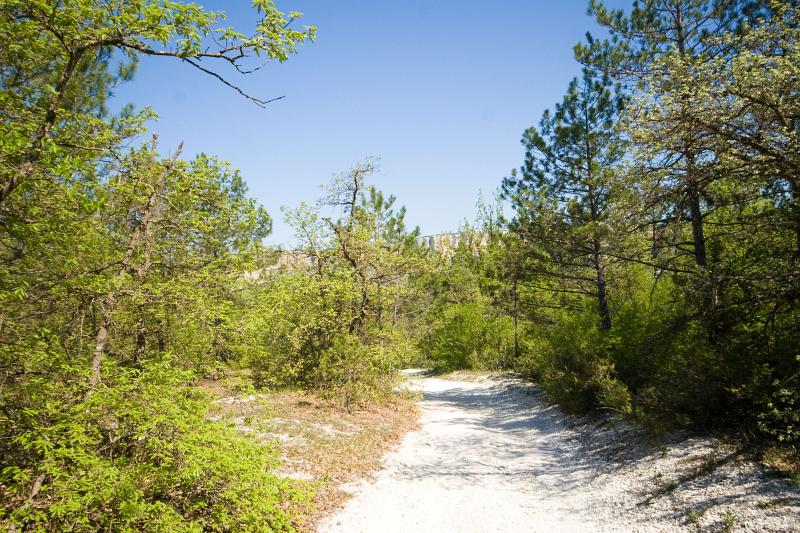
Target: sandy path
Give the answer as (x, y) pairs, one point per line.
(494, 456)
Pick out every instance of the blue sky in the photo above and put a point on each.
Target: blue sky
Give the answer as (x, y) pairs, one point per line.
(440, 90)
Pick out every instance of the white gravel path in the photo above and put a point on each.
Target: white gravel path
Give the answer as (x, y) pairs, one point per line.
(493, 455)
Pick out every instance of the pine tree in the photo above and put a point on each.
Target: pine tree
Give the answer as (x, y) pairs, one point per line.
(674, 172)
(562, 192)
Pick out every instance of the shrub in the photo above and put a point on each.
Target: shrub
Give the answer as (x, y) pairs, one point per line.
(140, 454)
(469, 335)
(356, 373)
(295, 320)
(533, 347)
(575, 369)
(780, 416)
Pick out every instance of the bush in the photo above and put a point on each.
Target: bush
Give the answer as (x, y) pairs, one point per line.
(356, 373)
(780, 416)
(533, 347)
(140, 454)
(575, 369)
(303, 330)
(469, 335)
(296, 319)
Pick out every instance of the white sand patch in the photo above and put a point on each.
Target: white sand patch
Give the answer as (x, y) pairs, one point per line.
(493, 455)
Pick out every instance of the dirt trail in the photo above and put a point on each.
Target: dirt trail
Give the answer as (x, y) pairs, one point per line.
(493, 455)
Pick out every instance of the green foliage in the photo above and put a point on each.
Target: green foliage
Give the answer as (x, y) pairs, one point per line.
(141, 454)
(650, 267)
(575, 369)
(781, 410)
(700, 224)
(562, 193)
(137, 281)
(356, 373)
(469, 335)
(471, 313)
(120, 277)
(330, 320)
(296, 318)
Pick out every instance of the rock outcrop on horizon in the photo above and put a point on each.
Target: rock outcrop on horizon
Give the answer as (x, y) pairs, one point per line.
(446, 243)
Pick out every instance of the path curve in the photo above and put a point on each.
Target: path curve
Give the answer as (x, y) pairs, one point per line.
(493, 455)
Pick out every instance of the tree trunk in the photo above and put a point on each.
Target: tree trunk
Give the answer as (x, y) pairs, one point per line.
(358, 323)
(700, 253)
(698, 232)
(602, 296)
(142, 231)
(101, 338)
(515, 292)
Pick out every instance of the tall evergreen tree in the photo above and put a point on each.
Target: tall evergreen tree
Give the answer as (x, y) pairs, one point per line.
(562, 192)
(678, 171)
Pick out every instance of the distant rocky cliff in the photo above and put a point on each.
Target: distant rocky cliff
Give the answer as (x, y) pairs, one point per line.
(441, 243)
(446, 243)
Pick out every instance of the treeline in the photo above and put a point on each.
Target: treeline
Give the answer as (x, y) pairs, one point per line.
(651, 265)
